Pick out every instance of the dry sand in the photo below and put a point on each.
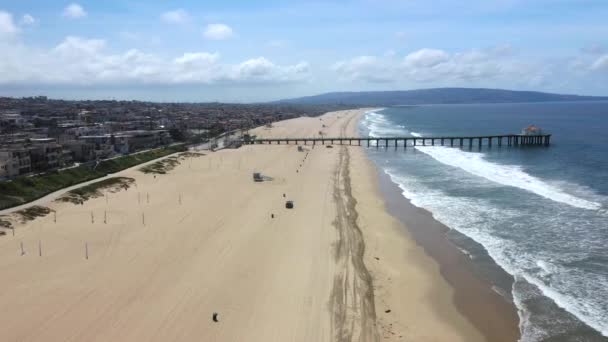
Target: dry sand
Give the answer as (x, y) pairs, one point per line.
(327, 270)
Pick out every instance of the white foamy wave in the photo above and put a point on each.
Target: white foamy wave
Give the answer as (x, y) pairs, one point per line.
(545, 268)
(417, 135)
(509, 175)
(529, 332)
(378, 126)
(470, 217)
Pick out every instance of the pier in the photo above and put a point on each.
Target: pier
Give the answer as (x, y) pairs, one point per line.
(453, 141)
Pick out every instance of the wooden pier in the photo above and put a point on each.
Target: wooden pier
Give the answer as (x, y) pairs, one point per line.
(469, 141)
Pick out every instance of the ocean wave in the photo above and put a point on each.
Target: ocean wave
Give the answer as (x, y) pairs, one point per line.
(529, 331)
(378, 126)
(417, 135)
(475, 218)
(509, 175)
(552, 242)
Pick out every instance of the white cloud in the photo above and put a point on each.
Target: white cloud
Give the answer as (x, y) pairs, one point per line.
(426, 58)
(434, 65)
(28, 20)
(601, 63)
(197, 67)
(77, 47)
(79, 61)
(74, 11)
(7, 25)
(197, 58)
(218, 32)
(365, 68)
(261, 69)
(178, 16)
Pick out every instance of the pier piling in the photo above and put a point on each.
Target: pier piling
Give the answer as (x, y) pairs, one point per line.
(511, 140)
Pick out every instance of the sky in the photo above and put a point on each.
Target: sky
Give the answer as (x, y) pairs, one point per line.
(251, 51)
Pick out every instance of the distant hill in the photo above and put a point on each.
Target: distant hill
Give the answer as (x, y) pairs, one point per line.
(435, 96)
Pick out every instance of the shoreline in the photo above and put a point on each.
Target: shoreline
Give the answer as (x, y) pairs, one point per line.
(492, 314)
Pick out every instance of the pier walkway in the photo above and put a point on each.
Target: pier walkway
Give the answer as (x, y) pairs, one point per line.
(470, 141)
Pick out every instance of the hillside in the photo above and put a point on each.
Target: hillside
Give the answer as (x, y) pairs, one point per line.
(436, 96)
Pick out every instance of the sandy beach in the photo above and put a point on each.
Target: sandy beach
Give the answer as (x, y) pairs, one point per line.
(175, 249)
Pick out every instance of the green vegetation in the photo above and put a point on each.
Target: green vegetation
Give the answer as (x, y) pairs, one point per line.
(4, 223)
(31, 213)
(26, 189)
(161, 166)
(28, 214)
(80, 195)
(168, 164)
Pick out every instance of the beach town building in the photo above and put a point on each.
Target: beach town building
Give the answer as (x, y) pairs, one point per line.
(45, 154)
(80, 151)
(12, 119)
(14, 161)
(129, 141)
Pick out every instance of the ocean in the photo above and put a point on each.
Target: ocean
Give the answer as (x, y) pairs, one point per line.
(540, 213)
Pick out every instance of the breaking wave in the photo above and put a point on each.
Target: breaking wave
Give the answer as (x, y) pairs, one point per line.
(509, 175)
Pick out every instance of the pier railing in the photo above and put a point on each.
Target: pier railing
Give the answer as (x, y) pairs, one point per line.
(470, 141)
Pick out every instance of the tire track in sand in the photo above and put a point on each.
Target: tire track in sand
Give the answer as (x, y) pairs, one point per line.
(353, 314)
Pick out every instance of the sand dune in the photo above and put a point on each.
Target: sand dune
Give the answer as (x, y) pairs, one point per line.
(177, 248)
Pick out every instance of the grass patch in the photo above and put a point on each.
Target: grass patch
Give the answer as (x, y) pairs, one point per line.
(23, 216)
(163, 166)
(5, 223)
(31, 213)
(26, 189)
(80, 195)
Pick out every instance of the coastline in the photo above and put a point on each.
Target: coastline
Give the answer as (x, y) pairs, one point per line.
(491, 314)
(201, 239)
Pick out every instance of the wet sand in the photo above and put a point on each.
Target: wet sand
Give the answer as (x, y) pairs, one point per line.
(494, 314)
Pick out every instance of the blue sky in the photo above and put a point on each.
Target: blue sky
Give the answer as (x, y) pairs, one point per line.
(264, 50)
